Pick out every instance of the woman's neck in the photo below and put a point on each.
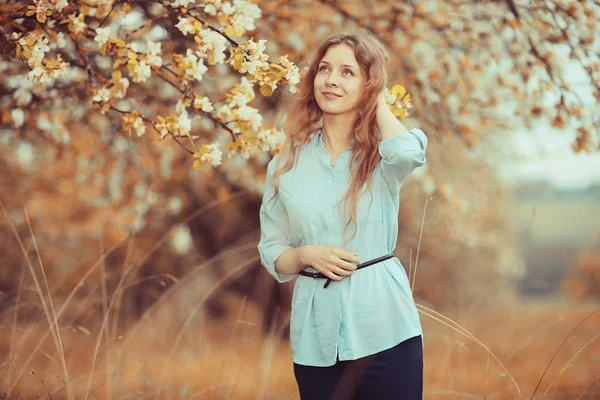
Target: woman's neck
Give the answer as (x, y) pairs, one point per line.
(337, 135)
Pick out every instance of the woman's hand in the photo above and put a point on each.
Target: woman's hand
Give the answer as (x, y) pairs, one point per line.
(334, 262)
(386, 121)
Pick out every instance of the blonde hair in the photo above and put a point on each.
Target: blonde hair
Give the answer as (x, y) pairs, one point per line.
(305, 117)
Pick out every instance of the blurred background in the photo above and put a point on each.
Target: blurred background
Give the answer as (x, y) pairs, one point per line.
(134, 141)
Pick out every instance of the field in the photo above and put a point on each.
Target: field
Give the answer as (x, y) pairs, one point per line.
(511, 348)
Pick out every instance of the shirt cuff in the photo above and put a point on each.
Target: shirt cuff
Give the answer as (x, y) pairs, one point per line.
(414, 140)
(269, 256)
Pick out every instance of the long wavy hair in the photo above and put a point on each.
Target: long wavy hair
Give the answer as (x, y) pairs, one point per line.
(305, 118)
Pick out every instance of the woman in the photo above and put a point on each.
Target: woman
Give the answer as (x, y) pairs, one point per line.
(344, 160)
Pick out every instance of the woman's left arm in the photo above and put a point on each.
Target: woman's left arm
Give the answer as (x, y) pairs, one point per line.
(401, 150)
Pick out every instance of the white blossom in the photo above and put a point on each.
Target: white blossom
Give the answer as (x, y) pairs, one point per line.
(139, 126)
(215, 42)
(228, 8)
(251, 115)
(39, 50)
(210, 9)
(141, 72)
(181, 240)
(195, 67)
(204, 104)
(247, 14)
(103, 95)
(182, 3)
(102, 35)
(78, 23)
(120, 89)
(25, 155)
(185, 26)
(214, 155)
(225, 113)
(271, 139)
(184, 123)
(60, 4)
(18, 117)
(60, 40)
(37, 72)
(174, 205)
(22, 96)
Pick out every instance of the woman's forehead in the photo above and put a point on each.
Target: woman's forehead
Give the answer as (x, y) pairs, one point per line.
(340, 55)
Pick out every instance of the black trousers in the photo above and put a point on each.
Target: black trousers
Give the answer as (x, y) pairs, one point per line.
(393, 374)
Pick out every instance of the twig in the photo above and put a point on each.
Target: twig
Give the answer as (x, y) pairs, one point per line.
(588, 389)
(32, 372)
(427, 198)
(569, 362)
(108, 15)
(559, 347)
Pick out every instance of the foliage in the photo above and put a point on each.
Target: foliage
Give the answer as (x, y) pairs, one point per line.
(107, 103)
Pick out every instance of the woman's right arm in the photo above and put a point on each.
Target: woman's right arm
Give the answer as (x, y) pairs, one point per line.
(275, 248)
(292, 260)
(280, 258)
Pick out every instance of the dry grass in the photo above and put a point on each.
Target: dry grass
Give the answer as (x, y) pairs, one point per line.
(505, 351)
(233, 359)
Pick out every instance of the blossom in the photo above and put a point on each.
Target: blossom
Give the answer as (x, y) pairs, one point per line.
(60, 41)
(181, 240)
(141, 72)
(120, 88)
(214, 44)
(103, 95)
(22, 96)
(25, 155)
(153, 48)
(101, 36)
(204, 104)
(184, 124)
(60, 4)
(250, 115)
(209, 154)
(139, 126)
(18, 117)
(153, 57)
(272, 139)
(77, 24)
(182, 3)
(191, 65)
(224, 113)
(227, 8)
(34, 73)
(247, 14)
(210, 9)
(185, 26)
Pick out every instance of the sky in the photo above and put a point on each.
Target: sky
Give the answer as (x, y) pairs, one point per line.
(544, 153)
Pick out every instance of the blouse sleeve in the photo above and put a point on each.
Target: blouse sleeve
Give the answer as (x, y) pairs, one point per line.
(274, 229)
(401, 154)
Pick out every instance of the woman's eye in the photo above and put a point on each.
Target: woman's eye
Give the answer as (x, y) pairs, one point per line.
(321, 67)
(349, 71)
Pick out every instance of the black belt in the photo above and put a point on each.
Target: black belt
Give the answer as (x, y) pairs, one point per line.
(317, 275)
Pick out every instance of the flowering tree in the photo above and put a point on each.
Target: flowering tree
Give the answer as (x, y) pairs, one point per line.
(472, 67)
(106, 105)
(179, 68)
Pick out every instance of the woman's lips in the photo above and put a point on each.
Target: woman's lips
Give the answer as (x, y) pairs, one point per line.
(330, 95)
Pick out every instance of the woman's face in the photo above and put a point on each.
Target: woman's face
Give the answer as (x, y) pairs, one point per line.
(339, 80)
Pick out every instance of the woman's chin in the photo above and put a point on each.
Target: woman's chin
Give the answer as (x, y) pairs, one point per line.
(328, 109)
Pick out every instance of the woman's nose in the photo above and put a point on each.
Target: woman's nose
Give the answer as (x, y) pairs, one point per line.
(331, 81)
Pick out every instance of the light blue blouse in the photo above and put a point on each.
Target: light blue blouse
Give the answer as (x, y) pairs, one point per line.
(373, 309)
